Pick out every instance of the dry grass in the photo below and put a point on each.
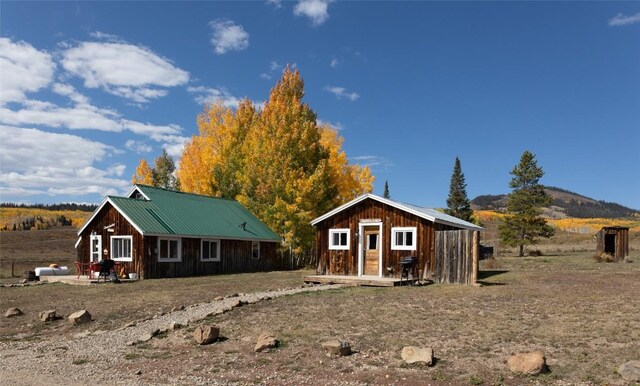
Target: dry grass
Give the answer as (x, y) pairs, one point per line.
(583, 315)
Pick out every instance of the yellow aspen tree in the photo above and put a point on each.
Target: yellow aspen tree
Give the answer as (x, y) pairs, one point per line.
(143, 175)
(287, 179)
(350, 181)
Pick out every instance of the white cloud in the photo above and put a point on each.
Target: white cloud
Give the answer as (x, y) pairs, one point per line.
(373, 161)
(23, 69)
(620, 19)
(126, 70)
(206, 95)
(228, 36)
(39, 162)
(334, 62)
(274, 3)
(316, 10)
(138, 146)
(336, 126)
(70, 92)
(104, 36)
(50, 115)
(341, 92)
(265, 76)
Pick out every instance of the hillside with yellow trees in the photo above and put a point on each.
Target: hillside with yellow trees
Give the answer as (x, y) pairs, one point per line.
(18, 219)
(277, 161)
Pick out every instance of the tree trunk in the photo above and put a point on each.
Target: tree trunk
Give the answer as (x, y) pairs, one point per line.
(521, 250)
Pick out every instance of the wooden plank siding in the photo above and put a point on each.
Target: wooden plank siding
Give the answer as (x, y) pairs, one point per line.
(235, 255)
(108, 215)
(621, 241)
(450, 263)
(345, 262)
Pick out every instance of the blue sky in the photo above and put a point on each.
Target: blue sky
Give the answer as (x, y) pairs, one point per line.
(87, 89)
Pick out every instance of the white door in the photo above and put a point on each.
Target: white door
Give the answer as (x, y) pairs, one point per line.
(96, 248)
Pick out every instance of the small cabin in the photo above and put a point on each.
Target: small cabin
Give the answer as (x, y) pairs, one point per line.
(372, 236)
(160, 233)
(613, 241)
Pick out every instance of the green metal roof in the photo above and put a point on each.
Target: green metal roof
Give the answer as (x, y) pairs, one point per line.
(168, 212)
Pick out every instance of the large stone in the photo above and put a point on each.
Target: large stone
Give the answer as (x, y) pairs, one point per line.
(48, 315)
(266, 341)
(337, 347)
(80, 317)
(413, 354)
(531, 363)
(630, 371)
(144, 338)
(13, 311)
(205, 334)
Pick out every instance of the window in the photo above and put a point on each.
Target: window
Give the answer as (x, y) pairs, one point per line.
(339, 238)
(210, 250)
(372, 241)
(121, 247)
(255, 250)
(403, 238)
(169, 250)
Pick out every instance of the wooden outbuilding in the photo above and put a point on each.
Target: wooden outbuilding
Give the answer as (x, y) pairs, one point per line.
(159, 233)
(371, 237)
(613, 241)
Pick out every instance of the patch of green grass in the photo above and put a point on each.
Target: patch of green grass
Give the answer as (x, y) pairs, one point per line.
(132, 356)
(476, 380)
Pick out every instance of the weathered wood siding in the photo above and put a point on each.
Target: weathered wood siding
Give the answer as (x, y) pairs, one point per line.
(454, 257)
(345, 262)
(235, 257)
(235, 254)
(108, 215)
(620, 237)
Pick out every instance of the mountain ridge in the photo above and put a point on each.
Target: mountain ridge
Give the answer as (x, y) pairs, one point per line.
(565, 203)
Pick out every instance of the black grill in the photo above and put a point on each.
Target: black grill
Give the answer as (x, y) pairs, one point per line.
(409, 266)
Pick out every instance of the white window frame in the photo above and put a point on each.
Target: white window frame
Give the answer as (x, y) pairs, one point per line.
(130, 238)
(168, 259)
(335, 247)
(209, 259)
(253, 244)
(412, 247)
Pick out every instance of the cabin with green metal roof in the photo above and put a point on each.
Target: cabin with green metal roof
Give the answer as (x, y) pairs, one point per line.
(160, 233)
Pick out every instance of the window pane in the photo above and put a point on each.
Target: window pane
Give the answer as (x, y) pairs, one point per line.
(372, 241)
(127, 248)
(164, 248)
(409, 239)
(343, 239)
(173, 249)
(214, 250)
(335, 238)
(399, 238)
(205, 250)
(255, 250)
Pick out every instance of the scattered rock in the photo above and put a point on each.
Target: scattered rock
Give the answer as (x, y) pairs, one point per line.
(130, 324)
(265, 342)
(337, 347)
(174, 326)
(80, 317)
(413, 354)
(218, 298)
(145, 338)
(236, 303)
(630, 371)
(48, 315)
(13, 311)
(155, 332)
(531, 363)
(23, 281)
(99, 332)
(131, 343)
(205, 334)
(179, 308)
(233, 296)
(139, 372)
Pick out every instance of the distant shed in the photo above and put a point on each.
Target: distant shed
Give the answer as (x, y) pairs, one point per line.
(614, 241)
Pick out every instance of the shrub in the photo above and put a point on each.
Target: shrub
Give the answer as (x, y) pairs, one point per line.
(535, 252)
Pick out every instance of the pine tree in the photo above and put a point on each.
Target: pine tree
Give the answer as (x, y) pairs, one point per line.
(386, 190)
(458, 204)
(163, 172)
(523, 224)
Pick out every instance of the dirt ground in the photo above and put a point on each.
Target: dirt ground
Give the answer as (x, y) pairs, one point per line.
(582, 314)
